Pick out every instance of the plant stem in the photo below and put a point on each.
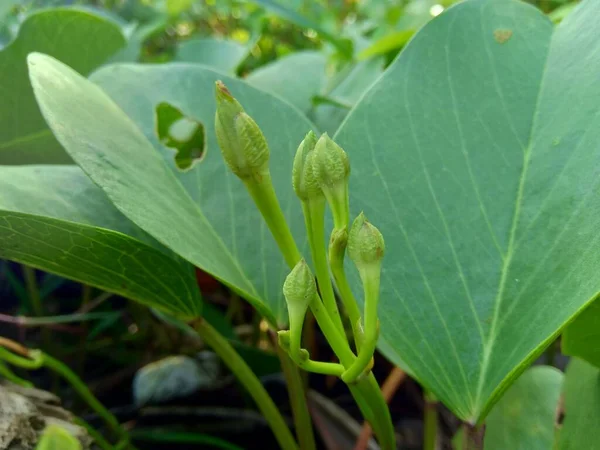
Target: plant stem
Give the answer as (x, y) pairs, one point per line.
(366, 392)
(314, 216)
(13, 378)
(297, 395)
(245, 375)
(336, 263)
(472, 437)
(32, 290)
(430, 421)
(265, 199)
(95, 435)
(388, 389)
(37, 359)
(369, 343)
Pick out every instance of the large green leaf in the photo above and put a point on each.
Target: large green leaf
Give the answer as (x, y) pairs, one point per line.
(524, 418)
(219, 54)
(56, 219)
(204, 214)
(297, 77)
(581, 426)
(81, 39)
(582, 337)
(477, 156)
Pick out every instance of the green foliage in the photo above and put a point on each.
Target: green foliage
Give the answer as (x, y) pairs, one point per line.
(55, 219)
(225, 56)
(483, 175)
(582, 337)
(57, 438)
(525, 417)
(24, 135)
(181, 210)
(581, 425)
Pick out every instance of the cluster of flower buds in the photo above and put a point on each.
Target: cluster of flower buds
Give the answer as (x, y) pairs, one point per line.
(320, 174)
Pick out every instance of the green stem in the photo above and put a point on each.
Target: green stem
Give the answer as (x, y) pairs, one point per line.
(430, 420)
(38, 359)
(297, 395)
(314, 216)
(265, 199)
(366, 391)
(337, 250)
(32, 290)
(84, 392)
(95, 435)
(369, 399)
(249, 380)
(10, 376)
(369, 344)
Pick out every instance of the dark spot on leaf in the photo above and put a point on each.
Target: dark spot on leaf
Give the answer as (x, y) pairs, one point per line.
(181, 133)
(502, 35)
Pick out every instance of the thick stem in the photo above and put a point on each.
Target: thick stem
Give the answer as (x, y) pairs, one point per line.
(314, 216)
(297, 395)
(253, 386)
(265, 199)
(472, 437)
(430, 421)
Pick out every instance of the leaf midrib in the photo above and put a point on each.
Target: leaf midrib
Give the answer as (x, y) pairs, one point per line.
(489, 343)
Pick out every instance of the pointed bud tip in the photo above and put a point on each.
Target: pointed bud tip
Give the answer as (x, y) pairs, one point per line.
(365, 242)
(299, 287)
(222, 91)
(332, 166)
(303, 179)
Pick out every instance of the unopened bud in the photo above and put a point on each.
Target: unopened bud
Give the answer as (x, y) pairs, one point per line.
(331, 164)
(331, 169)
(303, 177)
(242, 143)
(299, 289)
(365, 243)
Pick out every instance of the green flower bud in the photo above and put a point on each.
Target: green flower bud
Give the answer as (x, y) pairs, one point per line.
(303, 178)
(332, 170)
(242, 144)
(331, 164)
(365, 243)
(299, 290)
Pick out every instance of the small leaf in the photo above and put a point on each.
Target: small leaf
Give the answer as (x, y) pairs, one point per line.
(68, 34)
(55, 437)
(582, 337)
(524, 418)
(183, 134)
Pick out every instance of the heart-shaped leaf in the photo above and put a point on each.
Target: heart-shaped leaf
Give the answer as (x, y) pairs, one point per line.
(56, 219)
(204, 214)
(72, 36)
(477, 156)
